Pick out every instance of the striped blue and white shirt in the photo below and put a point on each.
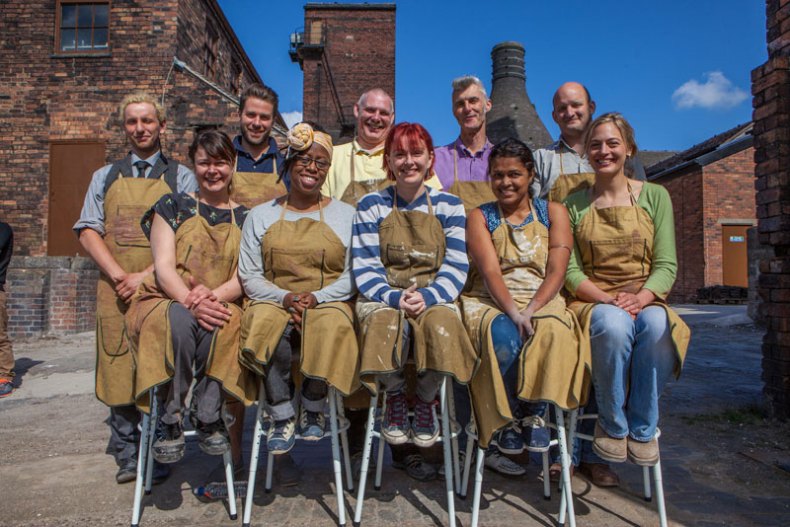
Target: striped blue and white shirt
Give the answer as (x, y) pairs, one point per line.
(368, 269)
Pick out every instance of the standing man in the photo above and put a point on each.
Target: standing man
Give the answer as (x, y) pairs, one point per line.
(462, 166)
(6, 352)
(109, 230)
(562, 167)
(256, 179)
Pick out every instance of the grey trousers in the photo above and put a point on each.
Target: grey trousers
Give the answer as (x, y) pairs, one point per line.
(191, 347)
(124, 434)
(428, 383)
(278, 383)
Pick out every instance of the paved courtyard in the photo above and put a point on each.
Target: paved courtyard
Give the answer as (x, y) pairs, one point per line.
(724, 462)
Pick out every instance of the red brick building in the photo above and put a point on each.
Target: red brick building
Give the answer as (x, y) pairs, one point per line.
(712, 190)
(66, 66)
(771, 91)
(343, 50)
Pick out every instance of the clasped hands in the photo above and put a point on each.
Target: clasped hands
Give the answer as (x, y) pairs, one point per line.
(411, 302)
(296, 303)
(127, 283)
(202, 302)
(629, 302)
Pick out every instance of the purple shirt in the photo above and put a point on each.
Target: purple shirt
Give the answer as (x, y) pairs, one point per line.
(471, 167)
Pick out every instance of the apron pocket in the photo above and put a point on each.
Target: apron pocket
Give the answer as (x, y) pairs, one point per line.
(296, 270)
(111, 336)
(618, 259)
(128, 232)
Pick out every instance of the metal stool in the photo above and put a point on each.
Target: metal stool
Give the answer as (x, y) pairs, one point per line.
(145, 463)
(449, 431)
(338, 425)
(657, 477)
(565, 461)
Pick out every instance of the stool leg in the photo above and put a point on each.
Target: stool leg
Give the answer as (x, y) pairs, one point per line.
(344, 445)
(456, 462)
(149, 457)
(228, 459)
(446, 446)
(546, 477)
(363, 473)
(662, 511)
(565, 460)
(467, 464)
(336, 466)
(254, 455)
(380, 453)
(142, 455)
(646, 484)
(479, 463)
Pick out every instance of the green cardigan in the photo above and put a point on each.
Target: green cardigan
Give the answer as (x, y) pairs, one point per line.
(655, 200)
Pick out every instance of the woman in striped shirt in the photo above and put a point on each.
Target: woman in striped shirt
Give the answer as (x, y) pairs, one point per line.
(410, 264)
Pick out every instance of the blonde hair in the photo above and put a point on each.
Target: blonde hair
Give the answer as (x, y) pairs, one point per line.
(138, 98)
(617, 119)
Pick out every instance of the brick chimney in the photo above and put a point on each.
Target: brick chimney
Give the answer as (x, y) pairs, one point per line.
(513, 114)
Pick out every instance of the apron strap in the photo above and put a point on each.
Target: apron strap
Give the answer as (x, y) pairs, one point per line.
(320, 207)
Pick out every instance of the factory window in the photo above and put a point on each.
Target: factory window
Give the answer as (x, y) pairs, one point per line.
(235, 77)
(82, 27)
(210, 50)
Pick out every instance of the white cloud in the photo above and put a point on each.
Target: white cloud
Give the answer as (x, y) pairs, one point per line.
(291, 118)
(717, 92)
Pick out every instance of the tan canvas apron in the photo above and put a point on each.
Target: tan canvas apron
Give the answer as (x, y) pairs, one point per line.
(616, 247)
(126, 201)
(472, 193)
(253, 188)
(567, 184)
(554, 363)
(304, 256)
(412, 250)
(210, 255)
(356, 189)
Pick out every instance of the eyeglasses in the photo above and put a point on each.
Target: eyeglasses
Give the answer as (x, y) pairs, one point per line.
(320, 164)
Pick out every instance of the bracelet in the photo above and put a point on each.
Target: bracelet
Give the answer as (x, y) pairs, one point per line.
(560, 246)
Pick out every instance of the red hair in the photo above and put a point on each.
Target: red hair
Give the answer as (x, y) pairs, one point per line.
(405, 136)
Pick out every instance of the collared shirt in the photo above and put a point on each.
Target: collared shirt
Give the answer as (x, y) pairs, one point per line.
(547, 166)
(471, 167)
(368, 164)
(265, 163)
(92, 215)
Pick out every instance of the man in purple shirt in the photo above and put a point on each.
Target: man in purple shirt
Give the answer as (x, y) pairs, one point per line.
(466, 158)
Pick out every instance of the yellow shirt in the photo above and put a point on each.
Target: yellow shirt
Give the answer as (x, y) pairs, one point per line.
(367, 165)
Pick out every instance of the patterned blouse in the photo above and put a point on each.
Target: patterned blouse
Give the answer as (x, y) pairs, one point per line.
(493, 220)
(176, 208)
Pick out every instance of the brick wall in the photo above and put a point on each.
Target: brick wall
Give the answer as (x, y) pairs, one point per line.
(46, 95)
(686, 193)
(728, 193)
(771, 92)
(360, 51)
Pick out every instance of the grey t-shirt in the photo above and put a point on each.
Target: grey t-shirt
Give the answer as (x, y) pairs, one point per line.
(337, 215)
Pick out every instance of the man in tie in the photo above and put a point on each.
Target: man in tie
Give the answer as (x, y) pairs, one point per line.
(109, 231)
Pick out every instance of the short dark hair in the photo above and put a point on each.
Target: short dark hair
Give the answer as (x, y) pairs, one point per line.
(259, 91)
(216, 143)
(512, 147)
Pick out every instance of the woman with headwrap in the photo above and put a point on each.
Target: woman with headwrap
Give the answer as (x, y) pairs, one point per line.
(295, 267)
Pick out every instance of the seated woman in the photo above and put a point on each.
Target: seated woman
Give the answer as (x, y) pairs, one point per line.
(528, 341)
(183, 322)
(410, 264)
(294, 265)
(620, 273)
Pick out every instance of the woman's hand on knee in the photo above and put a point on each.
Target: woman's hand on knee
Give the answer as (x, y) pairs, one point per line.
(211, 314)
(412, 302)
(197, 293)
(523, 321)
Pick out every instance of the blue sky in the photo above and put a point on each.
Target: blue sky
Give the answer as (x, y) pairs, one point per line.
(678, 70)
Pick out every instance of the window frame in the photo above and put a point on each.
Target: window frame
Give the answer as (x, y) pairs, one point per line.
(59, 22)
(211, 52)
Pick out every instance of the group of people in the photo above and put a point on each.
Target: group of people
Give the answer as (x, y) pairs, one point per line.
(526, 277)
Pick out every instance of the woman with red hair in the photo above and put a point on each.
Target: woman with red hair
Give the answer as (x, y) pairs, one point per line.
(410, 264)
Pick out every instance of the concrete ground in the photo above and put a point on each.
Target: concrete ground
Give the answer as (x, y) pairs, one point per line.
(724, 462)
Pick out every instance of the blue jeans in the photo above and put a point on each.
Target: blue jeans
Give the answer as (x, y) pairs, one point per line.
(632, 360)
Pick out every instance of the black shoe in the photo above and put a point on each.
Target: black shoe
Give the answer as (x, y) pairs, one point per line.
(169, 444)
(127, 471)
(213, 438)
(286, 471)
(416, 467)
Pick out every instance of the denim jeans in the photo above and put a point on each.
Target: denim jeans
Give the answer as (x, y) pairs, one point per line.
(632, 360)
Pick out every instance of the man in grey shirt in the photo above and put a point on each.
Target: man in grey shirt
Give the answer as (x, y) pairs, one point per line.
(109, 231)
(573, 112)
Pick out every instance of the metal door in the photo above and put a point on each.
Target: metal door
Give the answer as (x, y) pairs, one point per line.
(733, 255)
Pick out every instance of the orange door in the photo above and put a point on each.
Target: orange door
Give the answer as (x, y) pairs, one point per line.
(71, 165)
(733, 255)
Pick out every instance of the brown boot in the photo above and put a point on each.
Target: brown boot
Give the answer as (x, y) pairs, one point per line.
(608, 448)
(643, 453)
(600, 474)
